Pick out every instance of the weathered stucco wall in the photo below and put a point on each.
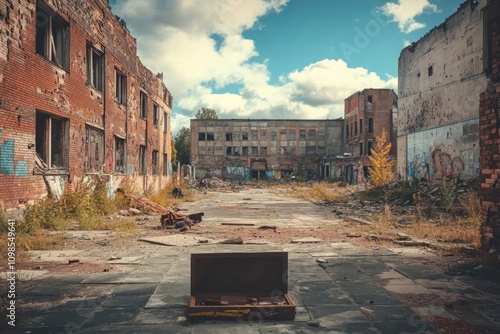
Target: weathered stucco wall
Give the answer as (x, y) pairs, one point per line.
(440, 79)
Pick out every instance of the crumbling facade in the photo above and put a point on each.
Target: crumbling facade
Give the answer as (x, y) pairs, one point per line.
(489, 122)
(367, 114)
(440, 79)
(76, 100)
(263, 149)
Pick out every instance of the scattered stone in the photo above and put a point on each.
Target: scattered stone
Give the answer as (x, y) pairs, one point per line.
(105, 270)
(73, 261)
(412, 242)
(134, 211)
(320, 260)
(181, 319)
(266, 227)
(403, 236)
(233, 241)
(124, 213)
(313, 323)
(374, 237)
(204, 241)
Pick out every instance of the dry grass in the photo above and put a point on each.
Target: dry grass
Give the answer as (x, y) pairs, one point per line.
(319, 191)
(166, 199)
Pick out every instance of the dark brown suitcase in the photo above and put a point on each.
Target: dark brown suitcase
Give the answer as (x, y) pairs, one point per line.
(251, 286)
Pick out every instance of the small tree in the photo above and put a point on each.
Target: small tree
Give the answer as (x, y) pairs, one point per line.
(382, 170)
(183, 145)
(206, 113)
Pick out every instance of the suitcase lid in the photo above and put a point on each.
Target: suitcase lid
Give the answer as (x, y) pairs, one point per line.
(239, 273)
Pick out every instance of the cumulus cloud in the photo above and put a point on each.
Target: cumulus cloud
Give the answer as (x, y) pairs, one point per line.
(199, 47)
(404, 12)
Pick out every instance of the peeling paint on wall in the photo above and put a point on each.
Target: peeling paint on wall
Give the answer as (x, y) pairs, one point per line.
(22, 169)
(445, 151)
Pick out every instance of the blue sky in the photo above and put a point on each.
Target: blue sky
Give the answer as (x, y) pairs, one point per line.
(275, 58)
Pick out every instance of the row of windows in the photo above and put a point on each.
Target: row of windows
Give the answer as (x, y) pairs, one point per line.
(352, 128)
(52, 42)
(255, 135)
(255, 150)
(52, 147)
(369, 149)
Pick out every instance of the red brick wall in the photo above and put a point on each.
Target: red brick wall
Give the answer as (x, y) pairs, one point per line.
(30, 82)
(490, 132)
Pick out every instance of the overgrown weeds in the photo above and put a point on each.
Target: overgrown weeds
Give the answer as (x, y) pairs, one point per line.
(319, 191)
(166, 198)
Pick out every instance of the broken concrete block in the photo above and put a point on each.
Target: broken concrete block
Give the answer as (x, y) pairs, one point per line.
(233, 241)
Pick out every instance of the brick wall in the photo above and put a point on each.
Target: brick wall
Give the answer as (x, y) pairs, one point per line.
(32, 85)
(490, 131)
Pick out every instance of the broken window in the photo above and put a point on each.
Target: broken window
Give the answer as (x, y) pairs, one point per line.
(244, 150)
(283, 150)
(120, 150)
(244, 136)
(121, 87)
(255, 150)
(273, 135)
(144, 105)
(229, 136)
(142, 160)
(292, 150)
(229, 150)
(165, 164)
(360, 126)
(255, 135)
(94, 67)
(369, 99)
(263, 135)
(370, 145)
(165, 122)
(156, 114)
(360, 148)
(201, 136)
(312, 135)
(263, 151)
(210, 136)
(283, 135)
(370, 125)
(94, 149)
(302, 135)
(155, 162)
(52, 36)
(52, 140)
(236, 150)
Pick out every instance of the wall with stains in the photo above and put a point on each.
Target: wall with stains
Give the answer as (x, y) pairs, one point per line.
(451, 150)
(35, 87)
(440, 78)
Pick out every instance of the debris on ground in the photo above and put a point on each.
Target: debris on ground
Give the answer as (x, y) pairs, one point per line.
(215, 183)
(233, 241)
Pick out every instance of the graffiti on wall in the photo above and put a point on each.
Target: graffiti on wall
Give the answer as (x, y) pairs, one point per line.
(8, 165)
(451, 150)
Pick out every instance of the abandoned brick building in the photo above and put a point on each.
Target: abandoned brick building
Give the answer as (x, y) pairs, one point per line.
(76, 100)
(263, 149)
(367, 114)
(489, 125)
(440, 80)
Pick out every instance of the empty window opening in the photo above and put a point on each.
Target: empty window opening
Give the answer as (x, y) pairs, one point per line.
(369, 98)
(229, 136)
(370, 125)
(263, 135)
(144, 105)
(120, 156)
(210, 136)
(244, 136)
(311, 135)
(255, 150)
(156, 114)
(370, 145)
(142, 160)
(155, 162)
(121, 87)
(292, 150)
(360, 148)
(229, 150)
(94, 149)
(52, 36)
(165, 164)
(52, 141)
(244, 150)
(263, 151)
(360, 126)
(201, 136)
(430, 70)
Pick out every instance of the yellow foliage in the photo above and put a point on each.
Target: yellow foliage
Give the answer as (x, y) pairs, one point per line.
(382, 170)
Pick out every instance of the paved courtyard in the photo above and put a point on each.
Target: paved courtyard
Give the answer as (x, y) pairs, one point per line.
(352, 289)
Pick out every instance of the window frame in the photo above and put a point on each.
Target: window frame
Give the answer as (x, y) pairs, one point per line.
(44, 145)
(46, 44)
(156, 114)
(120, 87)
(94, 55)
(142, 159)
(120, 168)
(143, 104)
(88, 152)
(155, 155)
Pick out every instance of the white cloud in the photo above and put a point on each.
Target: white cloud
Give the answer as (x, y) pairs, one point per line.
(405, 11)
(179, 41)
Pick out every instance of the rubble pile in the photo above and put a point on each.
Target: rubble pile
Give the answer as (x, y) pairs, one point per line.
(215, 183)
